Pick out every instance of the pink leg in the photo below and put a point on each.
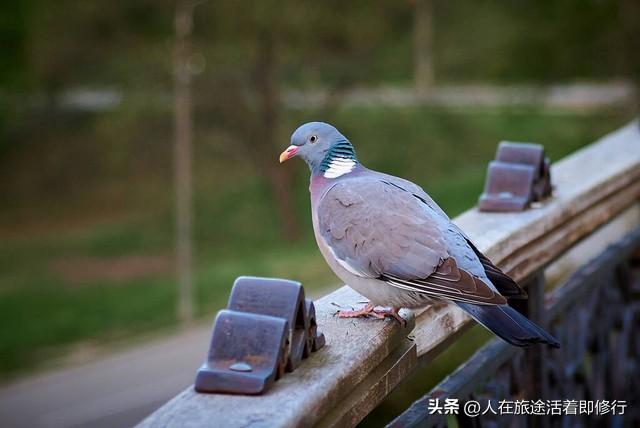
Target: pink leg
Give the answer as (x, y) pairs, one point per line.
(365, 311)
(369, 310)
(393, 313)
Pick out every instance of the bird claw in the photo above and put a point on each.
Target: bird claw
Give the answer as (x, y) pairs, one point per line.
(370, 311)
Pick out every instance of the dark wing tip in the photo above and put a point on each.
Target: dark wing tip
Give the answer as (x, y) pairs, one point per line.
(503, 282)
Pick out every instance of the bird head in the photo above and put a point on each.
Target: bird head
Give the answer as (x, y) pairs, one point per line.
(317, 143)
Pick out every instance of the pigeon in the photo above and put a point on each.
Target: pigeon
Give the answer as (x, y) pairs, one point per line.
(386, 238)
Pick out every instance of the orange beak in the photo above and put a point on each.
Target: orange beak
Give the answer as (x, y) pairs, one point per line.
(288, 153)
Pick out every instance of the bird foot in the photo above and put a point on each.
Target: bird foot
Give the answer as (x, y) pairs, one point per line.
(370, 311)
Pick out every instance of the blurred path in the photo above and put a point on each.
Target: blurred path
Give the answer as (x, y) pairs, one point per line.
(118, 390)
(571, 96)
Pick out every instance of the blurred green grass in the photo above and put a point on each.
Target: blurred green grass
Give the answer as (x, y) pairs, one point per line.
(236, 228)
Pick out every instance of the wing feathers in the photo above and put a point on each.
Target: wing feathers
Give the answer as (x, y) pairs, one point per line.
(449, 282)
(378, 229)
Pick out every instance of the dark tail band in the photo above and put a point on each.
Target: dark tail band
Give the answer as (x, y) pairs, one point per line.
(509, 324)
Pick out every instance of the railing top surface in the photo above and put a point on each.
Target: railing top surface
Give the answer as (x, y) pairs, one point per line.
(364, 359)
(579, 180)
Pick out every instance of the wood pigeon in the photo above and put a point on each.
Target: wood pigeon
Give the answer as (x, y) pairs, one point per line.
(388, 240)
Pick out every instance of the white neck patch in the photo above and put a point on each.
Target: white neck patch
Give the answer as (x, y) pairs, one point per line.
(339, 166)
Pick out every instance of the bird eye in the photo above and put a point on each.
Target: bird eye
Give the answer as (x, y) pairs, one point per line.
(313, 139)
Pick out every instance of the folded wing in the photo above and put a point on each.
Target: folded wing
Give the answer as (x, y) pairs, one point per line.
(377, 230)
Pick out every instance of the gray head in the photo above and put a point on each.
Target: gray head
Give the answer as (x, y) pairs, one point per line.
(322, 147)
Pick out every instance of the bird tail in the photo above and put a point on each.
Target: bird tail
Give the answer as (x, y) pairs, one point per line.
(509, 324)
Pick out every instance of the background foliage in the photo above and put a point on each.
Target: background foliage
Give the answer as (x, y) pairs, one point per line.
(86, 169)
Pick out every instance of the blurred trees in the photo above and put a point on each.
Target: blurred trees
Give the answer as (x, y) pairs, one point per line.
(246, 55)
(70, 43)
(259, 48)
(13, 17)
(183, 124)
(423, 44)
(629, 13)
(57, 44)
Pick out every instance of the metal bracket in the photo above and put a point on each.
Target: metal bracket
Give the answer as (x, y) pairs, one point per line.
(519, 175)
(268, 328)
